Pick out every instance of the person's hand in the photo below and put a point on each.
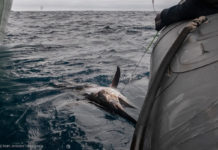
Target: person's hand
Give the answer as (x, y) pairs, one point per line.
(158, 23)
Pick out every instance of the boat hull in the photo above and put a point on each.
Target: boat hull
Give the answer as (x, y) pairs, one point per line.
(185, 111)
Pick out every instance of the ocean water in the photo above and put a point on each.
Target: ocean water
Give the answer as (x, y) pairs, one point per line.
(44, 48)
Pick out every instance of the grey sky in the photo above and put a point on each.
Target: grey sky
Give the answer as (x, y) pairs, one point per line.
(91, 4)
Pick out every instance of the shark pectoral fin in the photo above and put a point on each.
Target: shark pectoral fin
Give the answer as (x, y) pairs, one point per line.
(124, 114)
(125, 103)
(118, 108)
(116, 78)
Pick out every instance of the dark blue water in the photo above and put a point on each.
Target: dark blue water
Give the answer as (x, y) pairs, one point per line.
(43, 48)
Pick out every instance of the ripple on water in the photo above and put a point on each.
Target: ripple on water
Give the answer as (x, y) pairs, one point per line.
(82, 47)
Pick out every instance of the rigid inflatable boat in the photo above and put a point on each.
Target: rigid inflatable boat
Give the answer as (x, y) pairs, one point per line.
(184, 110)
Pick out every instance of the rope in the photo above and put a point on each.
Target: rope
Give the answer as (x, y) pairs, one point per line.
(145, 52)
(154, 7)
(136, 66)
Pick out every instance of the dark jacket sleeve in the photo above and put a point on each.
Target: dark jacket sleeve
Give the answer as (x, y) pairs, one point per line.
(187, 10)
(215, 2)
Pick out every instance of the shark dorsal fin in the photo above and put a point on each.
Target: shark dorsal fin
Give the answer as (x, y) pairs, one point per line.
(116, 78)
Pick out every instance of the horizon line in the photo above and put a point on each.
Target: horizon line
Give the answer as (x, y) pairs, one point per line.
(33, 10)
(79, 10)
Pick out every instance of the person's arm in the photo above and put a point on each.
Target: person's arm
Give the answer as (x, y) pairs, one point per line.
(187, 10)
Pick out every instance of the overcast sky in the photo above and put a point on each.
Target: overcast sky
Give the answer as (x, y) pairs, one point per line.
(90, 4)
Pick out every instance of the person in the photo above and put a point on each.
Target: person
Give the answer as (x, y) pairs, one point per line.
(185, 10)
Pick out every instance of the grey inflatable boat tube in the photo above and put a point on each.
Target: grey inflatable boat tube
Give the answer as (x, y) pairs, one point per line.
(184, 114)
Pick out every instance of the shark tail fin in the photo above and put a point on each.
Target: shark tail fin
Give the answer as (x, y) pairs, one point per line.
(116, 78)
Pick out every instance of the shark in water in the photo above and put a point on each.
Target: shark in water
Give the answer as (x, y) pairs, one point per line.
(109, 98)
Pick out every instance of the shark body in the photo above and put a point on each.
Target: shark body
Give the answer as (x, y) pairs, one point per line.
(110, 98)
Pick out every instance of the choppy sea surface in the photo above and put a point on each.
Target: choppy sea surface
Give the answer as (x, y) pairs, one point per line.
(44, 48)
